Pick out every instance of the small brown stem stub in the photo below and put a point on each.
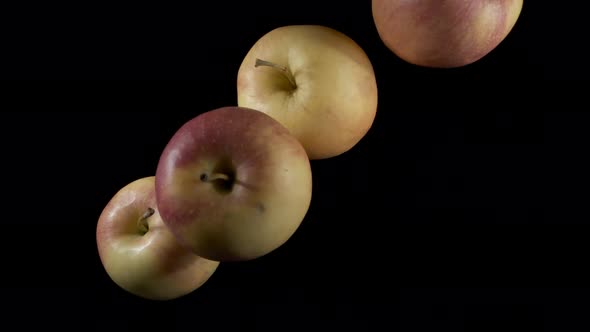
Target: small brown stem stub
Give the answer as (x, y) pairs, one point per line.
(284, 70)
(148, 213)
(142, 223)
(214, 176)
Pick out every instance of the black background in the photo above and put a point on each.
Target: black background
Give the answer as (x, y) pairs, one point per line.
(462, 209)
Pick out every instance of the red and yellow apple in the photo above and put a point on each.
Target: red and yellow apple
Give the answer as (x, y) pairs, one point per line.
(233, 184)
(444, 33)
(315, 81)
(140, 254)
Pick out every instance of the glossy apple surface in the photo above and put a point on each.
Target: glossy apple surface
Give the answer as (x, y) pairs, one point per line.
(444, 33)
(233, 184)
(139, 253)
(314, 80)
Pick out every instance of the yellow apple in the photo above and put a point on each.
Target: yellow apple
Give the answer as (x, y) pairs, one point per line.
(140, 254)
(315, 81)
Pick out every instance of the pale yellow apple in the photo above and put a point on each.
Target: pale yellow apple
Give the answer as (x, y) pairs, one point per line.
(315, 81)
(140, 254)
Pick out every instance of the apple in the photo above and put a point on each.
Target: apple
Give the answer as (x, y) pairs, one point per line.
(233, 184)
(444, 33)
(139, 253)
(314, 80)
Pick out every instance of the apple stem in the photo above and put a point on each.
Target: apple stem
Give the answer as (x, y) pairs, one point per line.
(282, 69)
(142, 222)
(214, 176)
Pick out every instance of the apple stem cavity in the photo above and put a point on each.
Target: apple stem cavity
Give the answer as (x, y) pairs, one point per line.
(142, 223)
(282, 69)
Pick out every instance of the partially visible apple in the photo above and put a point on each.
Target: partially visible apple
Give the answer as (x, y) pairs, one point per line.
(444, 33)
(314, 80)
(139, 253)
(233, 184)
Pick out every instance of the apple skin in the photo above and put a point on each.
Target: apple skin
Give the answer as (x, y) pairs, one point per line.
(153, 265)
(444, 33)
(254, 212)
(334, 103)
